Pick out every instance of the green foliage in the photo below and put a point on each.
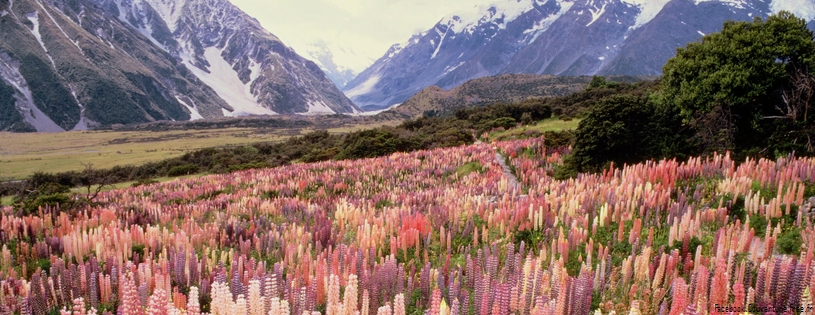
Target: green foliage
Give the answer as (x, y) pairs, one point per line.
(468, 168)
(247, 166)
(759, 224)
(558, 139)
(623, 129)
(598, 82)
(184, 169)
(530, 237)
(138, 249)
(809, 190)
(383, 204)
(48, 195)
(789, 242)
(526, 119)
(412, 300)
(504, 122)
(566, 170)
(574, 263)
(736, 208)
(728, 86)
(372, 143)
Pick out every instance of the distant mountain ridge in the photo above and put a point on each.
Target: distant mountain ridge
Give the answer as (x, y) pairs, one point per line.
(77, 64)
(557, 37)
(340, 64)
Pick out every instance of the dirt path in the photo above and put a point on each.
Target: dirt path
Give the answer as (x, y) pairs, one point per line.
(513, 181)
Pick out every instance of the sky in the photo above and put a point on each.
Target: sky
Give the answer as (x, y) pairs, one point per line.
(367, 27)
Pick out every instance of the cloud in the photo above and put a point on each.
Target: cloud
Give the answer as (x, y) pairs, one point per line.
(369, 27)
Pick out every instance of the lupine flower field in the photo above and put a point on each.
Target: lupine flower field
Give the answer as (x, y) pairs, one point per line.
(441, 232)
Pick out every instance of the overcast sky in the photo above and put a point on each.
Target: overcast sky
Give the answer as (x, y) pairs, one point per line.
(369, 27)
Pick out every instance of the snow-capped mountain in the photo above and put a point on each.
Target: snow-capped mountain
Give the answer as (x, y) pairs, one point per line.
(76, 64)
(247, 66)
(561, 37)
(341, 64)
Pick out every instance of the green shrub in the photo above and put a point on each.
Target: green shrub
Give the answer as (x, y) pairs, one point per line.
(789, 242)
(181, 170)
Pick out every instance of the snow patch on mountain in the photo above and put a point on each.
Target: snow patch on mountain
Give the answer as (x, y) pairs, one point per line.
(648, 10)
(194, 114)
(84, 123)
(740, 4)
(10, 72)
(147, 31)
(35, 30)
(318, 108)
(505, 11)
(801, 8)
(224, 80)
(169, 10)
(596, 14)
(543, 25)
(441, 41)
(365, 87)
(449, 69)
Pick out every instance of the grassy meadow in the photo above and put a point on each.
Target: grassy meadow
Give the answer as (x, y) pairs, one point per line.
(22, 154)
(551, 124)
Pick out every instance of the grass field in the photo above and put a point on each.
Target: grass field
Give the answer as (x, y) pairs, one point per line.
(6, 200)
(551, 124)
(22, 154)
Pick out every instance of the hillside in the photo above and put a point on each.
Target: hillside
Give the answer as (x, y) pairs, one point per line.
(507, 88)
(76, 65)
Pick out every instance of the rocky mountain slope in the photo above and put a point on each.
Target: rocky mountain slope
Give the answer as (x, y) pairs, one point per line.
(558, 37)
(247, 66)
(76, 64)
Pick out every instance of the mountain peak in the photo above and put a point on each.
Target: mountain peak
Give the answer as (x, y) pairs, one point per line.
(559, 37)
(500, 13)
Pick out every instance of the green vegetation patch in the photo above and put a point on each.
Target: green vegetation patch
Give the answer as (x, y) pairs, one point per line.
(468, 168)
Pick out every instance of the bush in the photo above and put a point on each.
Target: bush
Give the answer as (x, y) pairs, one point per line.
(625, 129)
(504, 122)
(789, 242)
(31, 206)
(182, 170)
(526, 119)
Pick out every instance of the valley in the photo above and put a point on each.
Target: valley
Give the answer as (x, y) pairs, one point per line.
(22, 154)
(546, 157)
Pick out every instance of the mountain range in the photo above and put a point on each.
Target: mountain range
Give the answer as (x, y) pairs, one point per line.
(557, 37)
(82, 64)
(78, 64)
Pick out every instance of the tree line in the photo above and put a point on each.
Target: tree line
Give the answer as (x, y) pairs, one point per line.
(747, 89)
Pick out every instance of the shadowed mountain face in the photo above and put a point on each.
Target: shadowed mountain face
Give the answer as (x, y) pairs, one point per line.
(77, 64)
(557, 37)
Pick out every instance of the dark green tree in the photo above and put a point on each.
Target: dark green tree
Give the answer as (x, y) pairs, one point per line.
(621, 129)
(732, 86)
